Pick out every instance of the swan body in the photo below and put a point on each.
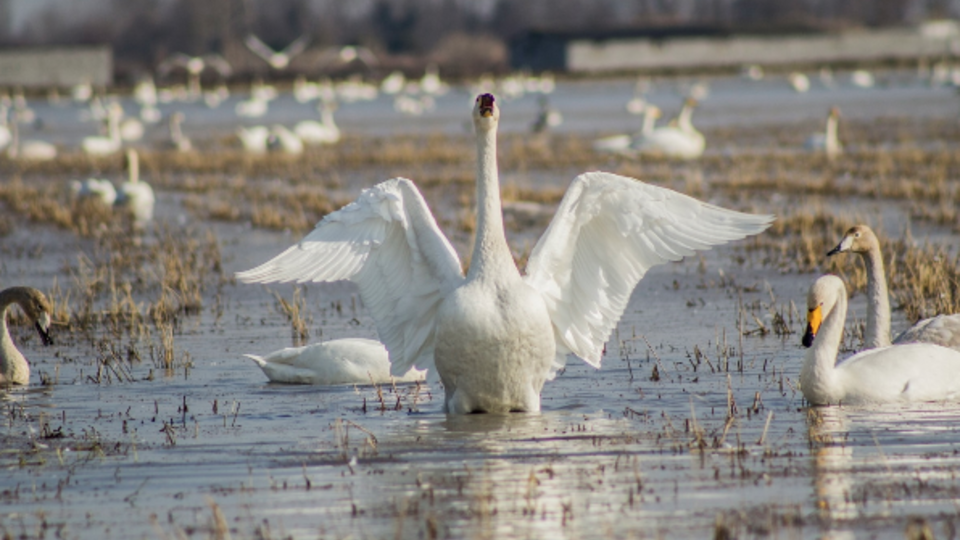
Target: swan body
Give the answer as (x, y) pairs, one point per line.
(134, 194)
(252, 108)
(339, 361)
(679, 141)
(103, 146)
(547, 117)
(828, 140)
(14, 368)
(323, 132)
(393, 83)
(622, 143)
(287, 141)
(494, 335)
(942, 330)
(912, 372)
(178, 140)
(254, 139)
(799, 82)
(131, 129)
(30, 149)
(100, 189)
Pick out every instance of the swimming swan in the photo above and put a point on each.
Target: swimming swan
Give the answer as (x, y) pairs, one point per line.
(495, 336)
(680, 140)
(134, 194)
(898, 373)
(942, 330)
(827, 141)
(339, 361)
(14, 368)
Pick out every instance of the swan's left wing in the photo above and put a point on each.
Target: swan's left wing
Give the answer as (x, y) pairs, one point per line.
(608, 231)
(388, 243)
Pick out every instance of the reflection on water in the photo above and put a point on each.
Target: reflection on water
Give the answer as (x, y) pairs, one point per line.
(883, 463)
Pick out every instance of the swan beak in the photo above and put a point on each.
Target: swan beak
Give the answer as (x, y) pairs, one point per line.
(42, 324)
(814, 320)
(844, 245)
(486, 105)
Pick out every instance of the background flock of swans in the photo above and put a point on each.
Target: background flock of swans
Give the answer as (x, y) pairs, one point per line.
(459, 322)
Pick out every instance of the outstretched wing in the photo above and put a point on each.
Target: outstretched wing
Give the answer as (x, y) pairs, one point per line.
(388, 243)
(258, 47)
(608, 231)
(297, 46)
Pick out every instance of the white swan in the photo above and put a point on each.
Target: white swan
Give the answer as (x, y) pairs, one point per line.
(942, 330)
(178, 140)
(679, 140)
(99, 189)
(323, 132)
(134, 194)
(547, 117)
(277, 59)
(393, 83)
(14, 368)
(103, 146)
(494, 335)
(799, 82)
(195, 66)
(622, 143)
(254, 139)
(898, 373)
(5, 134)
(30, 149)
(287, 141)
(827, 141)
(251, 108)
(339, 361)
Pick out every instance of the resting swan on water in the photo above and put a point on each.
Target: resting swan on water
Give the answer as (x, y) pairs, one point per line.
(898, 373)
(942, 330)
(14, 368)
(495, 336)
(338, 361)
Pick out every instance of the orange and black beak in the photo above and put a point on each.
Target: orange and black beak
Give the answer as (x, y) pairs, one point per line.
(814, 320)
(486, 104)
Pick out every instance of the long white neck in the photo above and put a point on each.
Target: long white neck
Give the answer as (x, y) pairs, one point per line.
(832, 141)
(490, 250)
(134, 166)
(649, 120)
(13, 366)
(818, 374)
(176, 133)
(684, 118)
(326, 117)
(113, 126)
(878, 301)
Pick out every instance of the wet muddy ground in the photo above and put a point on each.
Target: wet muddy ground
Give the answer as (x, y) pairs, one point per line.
(145, 421)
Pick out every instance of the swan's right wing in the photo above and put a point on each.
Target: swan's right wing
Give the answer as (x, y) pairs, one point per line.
(388, 243)
(608, 231)
(943, 330)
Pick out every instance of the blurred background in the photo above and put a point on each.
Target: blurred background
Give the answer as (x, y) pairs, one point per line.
(461, 37)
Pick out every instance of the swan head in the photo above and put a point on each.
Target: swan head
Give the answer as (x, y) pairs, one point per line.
(38, 309)
(486, 114)
(820, 302)
(857, 239)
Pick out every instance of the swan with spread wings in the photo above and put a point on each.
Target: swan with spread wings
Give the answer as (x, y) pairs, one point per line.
(495, 336)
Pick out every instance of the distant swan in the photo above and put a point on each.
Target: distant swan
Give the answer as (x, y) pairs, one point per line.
(323, 132)
(134, 194)
(14, 368)
(942, 330)
(622, 143)
(827, 141)
(276, 59)
(254, 139)
(495, 336)
(339, 361)
(680, 141)
(287, 141)
(898, 373)
(100, 145)
(100, 189)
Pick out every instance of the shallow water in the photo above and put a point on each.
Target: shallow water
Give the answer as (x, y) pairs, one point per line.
(660, 442)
